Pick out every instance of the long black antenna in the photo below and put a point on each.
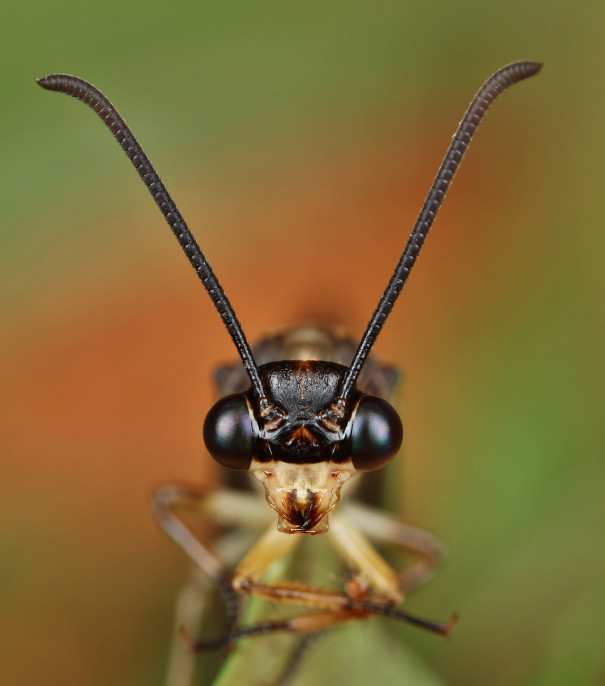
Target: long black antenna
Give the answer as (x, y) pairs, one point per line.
(489, 91)
(89, 95)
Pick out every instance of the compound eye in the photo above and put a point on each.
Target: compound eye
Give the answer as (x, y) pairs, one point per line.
(376, 434)
(228, 432)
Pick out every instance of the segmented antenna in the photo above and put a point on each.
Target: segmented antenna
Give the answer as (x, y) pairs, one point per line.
(489, 91)
(89, 95)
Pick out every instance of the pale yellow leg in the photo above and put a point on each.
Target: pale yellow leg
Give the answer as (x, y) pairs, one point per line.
(381, 527)
(167, 502)
(271, 546)
(355, 549)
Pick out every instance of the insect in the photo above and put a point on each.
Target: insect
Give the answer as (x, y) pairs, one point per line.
(302, 424)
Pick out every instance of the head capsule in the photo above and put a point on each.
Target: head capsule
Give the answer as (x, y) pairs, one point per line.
(302, 443)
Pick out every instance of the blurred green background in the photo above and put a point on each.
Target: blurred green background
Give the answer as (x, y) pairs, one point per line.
(299, 140)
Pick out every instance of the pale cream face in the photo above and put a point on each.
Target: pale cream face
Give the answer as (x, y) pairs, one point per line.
(302, 494)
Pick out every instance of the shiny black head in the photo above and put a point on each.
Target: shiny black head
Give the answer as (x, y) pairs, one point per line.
(303, 421)
(303, 442)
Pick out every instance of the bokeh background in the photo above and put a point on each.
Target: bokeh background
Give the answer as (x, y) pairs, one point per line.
(299, 140)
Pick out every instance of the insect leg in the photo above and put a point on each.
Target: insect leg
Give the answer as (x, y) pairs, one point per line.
(383, 528)
(334, 607)
(315, 623)
(197, 601)
(354, 548)
(168, 502)
(272, 546)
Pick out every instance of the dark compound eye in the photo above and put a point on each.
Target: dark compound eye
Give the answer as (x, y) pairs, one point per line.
(376, 434)
(228, 432)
